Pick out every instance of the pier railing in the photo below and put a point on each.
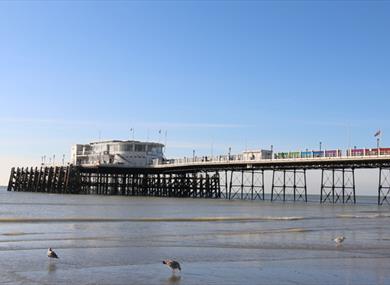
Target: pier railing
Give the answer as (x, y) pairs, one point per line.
(221, 159)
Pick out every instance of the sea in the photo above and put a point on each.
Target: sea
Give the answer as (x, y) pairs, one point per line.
(123, 240)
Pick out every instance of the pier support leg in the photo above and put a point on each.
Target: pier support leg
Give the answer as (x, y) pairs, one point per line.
(217, 180)
(278, 191)
(245, 184)
(289, 183)
(11, 182)
(384, 186)
(338, 186)
(231, 185)
(236, 188)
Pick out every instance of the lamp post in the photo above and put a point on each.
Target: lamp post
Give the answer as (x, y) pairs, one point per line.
(320, 146)
(193, 155)
(230, 150)
(378, 135)
(377, 144)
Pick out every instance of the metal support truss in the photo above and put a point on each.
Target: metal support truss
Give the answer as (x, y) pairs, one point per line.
(289, 184)
(384, 185)
(244, 184)
(338, 186)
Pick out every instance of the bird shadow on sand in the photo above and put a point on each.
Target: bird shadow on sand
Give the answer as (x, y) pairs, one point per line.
(173, 280)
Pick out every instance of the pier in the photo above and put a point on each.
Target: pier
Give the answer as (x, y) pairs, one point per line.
(222, 177)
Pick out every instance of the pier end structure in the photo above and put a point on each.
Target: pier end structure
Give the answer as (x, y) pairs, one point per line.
(130, 153)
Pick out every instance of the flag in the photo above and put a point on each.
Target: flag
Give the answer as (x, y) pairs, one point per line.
(131, 129)
(378, 133)
(159, 132)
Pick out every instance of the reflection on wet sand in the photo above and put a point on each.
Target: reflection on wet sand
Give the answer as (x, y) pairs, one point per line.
(174, 279)
(51, 267)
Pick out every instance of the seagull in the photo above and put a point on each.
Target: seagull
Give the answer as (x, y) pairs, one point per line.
(51, 253)
(339, 239)
(172, 264)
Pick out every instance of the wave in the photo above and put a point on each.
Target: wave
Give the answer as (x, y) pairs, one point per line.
(103, 220)
(186, 219)
(373, 216)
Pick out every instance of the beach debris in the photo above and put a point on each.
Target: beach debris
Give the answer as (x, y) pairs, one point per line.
(172, 264)
(51, 253)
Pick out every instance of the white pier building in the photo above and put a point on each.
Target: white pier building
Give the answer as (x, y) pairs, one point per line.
(116, 152)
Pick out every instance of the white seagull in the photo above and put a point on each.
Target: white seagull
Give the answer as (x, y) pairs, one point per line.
(172, 264)
(339, 239)
(51, 253)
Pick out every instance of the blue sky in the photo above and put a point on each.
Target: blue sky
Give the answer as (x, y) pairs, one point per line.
(212, 74)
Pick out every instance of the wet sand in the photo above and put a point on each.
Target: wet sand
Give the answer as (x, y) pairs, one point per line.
(123, 240)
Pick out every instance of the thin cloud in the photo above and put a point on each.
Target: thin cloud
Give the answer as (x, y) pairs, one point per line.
(343, 124)
(192, 145)
(46, 121)
(194, 125)
(154, 125)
